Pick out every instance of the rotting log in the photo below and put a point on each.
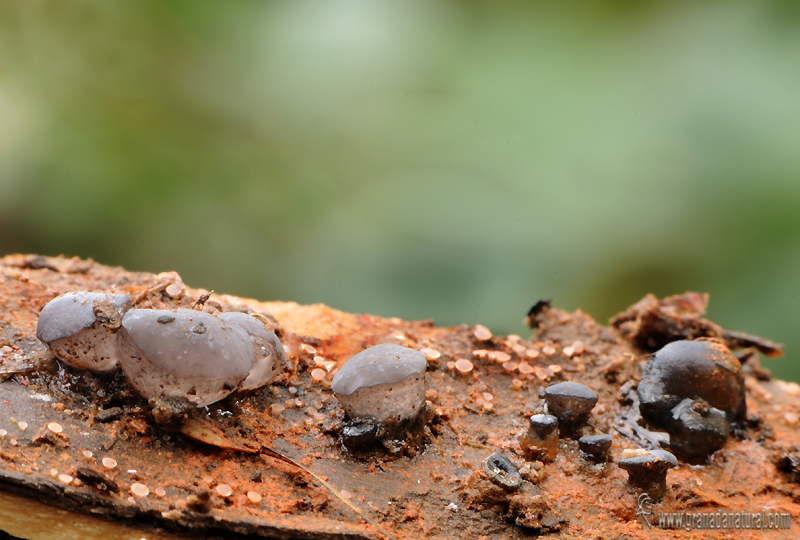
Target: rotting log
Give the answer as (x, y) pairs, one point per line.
(271, 462)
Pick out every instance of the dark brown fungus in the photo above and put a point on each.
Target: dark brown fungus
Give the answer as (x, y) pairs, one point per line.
(494, 483)
(360, 432)
(540, 441)
(694, 390)
(595, 447)
(570, 402)
(502, 471)
(704, 370)
(697, 429)
(647, 470)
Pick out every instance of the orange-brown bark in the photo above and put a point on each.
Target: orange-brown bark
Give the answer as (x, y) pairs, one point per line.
(439, 491)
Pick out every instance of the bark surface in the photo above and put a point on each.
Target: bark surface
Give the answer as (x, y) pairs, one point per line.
(272, 462)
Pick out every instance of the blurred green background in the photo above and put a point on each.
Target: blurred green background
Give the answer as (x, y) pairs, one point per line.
(419, 159)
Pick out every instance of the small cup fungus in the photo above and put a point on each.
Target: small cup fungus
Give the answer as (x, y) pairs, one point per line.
(570, 402)
(502, 472)
(647, 471)
(80, 328)
(385, 382)
(183, 355)
(494, 483)
(540, 442)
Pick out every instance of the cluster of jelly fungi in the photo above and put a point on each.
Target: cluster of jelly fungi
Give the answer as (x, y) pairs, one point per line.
(182, 355)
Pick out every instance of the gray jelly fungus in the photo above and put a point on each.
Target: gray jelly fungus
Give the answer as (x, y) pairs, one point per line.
(647, 471)
(269, 355)
(570, 402)
(595, 447)
(697, 429)
(694, 390)
(540, 441)
(175, 361)
(385, 382)
(80, 328)
(502, 472)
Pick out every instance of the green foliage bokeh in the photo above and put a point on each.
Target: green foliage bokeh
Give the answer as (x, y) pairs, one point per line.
(425, 159)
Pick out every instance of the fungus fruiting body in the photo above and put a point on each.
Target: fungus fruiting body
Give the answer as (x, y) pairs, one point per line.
(694, 390)
(647, 470)
(595, 447)
(502, 471)
(385, 382)
(704, 370)
(360, 432)
(80, 328)
(570, 402)
(269, 355)
(540, 441)
(183, 355)
(697, 429)
(494, 483)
